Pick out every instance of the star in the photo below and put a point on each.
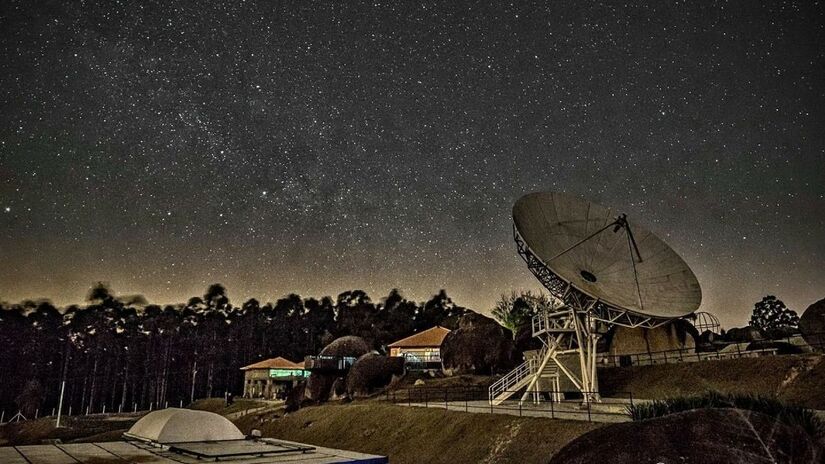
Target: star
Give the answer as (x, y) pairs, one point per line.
(312, 151)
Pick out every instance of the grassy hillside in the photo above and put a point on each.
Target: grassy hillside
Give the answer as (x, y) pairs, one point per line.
(797, 379)
(415, 435)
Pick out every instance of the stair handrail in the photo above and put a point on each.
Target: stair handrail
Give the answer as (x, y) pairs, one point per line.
(512, 378)
(518, 374)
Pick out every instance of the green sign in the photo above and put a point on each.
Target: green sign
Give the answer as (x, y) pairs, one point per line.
(288, 373)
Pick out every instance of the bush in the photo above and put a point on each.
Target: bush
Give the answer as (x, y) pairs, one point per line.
(787, 414)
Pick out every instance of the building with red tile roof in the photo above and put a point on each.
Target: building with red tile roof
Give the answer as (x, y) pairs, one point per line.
(271, 378)
(422, 349)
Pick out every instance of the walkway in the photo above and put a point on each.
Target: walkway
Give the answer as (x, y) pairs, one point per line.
(610, 411)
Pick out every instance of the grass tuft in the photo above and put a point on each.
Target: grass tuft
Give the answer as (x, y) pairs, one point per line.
(787, 414)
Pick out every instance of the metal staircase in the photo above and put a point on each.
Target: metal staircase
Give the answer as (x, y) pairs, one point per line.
(557, 332)
(515, 380)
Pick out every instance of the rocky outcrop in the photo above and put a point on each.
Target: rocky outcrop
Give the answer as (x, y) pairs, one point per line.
(350, 346)
(372, 372)
(743, 334)
(478, 346)
(296, 397)
(706, 436)
(319, 383)
(812, 326)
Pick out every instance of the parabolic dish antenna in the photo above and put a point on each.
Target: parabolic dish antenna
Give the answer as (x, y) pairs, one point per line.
(607, 270)
(599, 252)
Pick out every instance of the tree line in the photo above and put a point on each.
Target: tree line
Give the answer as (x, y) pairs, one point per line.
(121, 352)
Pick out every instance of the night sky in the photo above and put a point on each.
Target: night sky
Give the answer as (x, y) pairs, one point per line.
(308, 147)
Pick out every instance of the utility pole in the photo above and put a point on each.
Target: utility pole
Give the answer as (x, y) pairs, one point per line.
(194, 373)
(65, 370)
(60, 403)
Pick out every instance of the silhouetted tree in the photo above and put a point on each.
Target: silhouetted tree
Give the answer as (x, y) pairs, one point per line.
(31, 398)
(121, 352)
(514, 310)
(355, 315)
(773, 318)
(439, 310)
(395, 318)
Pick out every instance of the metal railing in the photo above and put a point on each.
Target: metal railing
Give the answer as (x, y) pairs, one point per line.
(815, 342)
(332, 363)
(512, 379)
(573, 404)
(425, 361)
(677, 356)
(549, 321)
(429, 357)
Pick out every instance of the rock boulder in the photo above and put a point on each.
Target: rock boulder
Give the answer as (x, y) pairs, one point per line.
(478, 346)
(699, 436)
(812, 326)
(371, 373)
(319, 383)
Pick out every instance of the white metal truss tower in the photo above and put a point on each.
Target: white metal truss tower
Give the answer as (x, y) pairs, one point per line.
(572, 329)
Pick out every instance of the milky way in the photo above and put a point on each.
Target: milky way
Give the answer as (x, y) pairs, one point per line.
(306, 147)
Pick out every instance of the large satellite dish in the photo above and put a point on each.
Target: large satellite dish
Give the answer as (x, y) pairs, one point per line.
(600, 253)
(607, 270)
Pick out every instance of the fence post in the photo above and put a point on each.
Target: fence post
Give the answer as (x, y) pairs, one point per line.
(36, 413)
(552, 410)
(589, 419)
(2, 416)
(426, 405)
(104, 408)
(70, 410)
(135, 406)
(631, 399)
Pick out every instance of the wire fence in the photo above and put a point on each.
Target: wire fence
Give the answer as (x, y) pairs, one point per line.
(678, 356)
(134, 408)
(554, 404)
(792, 344)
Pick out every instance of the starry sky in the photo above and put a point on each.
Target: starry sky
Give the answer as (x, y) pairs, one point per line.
(315, 147)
